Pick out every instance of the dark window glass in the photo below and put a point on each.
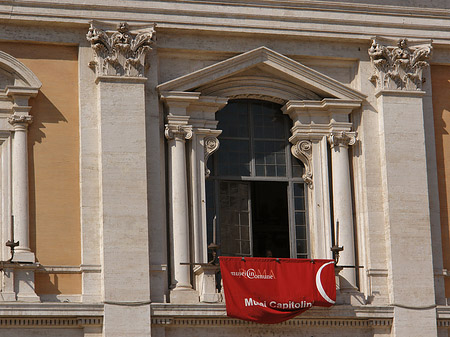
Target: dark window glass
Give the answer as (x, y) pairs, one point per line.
(255, 189)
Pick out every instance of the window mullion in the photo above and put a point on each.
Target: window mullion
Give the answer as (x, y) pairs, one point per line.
(251, 140)
(291, 218)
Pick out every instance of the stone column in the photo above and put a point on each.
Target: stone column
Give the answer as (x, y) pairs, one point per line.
(176, 136)
(398, 67)
(119, 63)
(20, 209)
(342, 203)
(177, 133)
(23, 278)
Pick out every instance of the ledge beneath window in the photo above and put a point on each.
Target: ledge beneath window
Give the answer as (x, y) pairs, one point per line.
(165, 314)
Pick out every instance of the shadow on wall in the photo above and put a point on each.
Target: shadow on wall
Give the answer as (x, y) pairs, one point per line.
(47, 113)
(47, 284)
(441, 110)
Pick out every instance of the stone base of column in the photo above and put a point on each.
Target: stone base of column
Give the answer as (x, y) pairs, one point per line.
(347, 294)
(24, 285)
(205, 280)
(184, 296)
(8, 294)
(24, 256)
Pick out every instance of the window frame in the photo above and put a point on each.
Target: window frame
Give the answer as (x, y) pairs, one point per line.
(289, 179)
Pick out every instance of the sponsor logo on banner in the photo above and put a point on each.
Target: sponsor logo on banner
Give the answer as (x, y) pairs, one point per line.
(253, 274)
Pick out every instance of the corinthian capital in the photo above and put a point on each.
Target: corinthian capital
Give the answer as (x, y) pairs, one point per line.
(342, 138)
(120, 53)
(178, 132)
(399, 67)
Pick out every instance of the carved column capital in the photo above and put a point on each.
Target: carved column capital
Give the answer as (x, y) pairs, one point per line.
(343, 139)
(302, 150)
(20, 121)
(178, 132)
(399, 67)
(121, 52)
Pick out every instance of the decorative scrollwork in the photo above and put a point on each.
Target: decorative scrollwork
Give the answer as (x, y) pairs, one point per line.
(120, 53)
(180, 132)
(302, 150)
(211, 145)
(399, 67)
(20, 119)
(342, 138)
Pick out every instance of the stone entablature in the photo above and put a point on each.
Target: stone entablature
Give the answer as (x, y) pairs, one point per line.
(120, 53)
(399, 67)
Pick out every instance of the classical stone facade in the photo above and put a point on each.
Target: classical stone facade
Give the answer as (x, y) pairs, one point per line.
(138, 139)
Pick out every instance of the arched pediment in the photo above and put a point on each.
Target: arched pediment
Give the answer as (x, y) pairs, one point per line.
(265, 72)
(15, 73)
(17, 84)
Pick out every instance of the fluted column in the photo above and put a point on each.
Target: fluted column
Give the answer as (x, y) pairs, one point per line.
(342, 202)
(20, 207)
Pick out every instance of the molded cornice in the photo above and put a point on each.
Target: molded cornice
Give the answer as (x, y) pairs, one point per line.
(307, 18)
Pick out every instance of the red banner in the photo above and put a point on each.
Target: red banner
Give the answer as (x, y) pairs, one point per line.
(268, 290)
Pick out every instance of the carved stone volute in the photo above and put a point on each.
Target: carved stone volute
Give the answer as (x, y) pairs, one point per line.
(211, 145)
(302, 150)
(399, 67)
(120, 53)
(343, 139)
(20, 119)
(178, 132)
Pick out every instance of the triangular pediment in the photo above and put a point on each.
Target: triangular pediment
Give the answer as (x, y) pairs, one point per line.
(262, 68)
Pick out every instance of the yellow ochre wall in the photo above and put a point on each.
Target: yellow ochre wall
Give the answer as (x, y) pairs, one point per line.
(440, 76)
(53, 146)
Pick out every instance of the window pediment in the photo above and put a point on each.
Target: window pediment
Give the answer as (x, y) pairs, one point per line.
(265, 72)
(17, 84)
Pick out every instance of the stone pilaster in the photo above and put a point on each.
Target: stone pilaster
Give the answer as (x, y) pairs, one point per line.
(398, 73)
(120, 52)
(119, 64)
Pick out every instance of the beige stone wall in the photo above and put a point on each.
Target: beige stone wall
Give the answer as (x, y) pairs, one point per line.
(53, 147)
(441, 108)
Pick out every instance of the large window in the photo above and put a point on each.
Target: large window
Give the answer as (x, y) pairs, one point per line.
(255, 193)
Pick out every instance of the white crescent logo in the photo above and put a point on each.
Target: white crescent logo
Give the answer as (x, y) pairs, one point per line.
(319, 284)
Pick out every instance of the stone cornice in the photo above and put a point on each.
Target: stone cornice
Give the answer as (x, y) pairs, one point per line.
(215, 315)
(54, 322)
(296, 322)
(120, 52)
(307, 18)
(324, 107)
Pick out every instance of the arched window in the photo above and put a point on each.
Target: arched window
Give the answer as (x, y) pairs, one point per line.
(255, 193)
